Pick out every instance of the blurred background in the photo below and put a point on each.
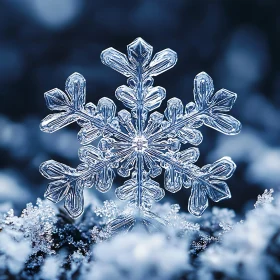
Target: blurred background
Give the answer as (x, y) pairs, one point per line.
(42, 42)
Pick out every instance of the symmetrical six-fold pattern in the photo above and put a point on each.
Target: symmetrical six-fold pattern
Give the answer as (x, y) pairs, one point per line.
(139, 144)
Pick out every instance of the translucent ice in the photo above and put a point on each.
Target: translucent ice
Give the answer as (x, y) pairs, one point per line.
(137, 143)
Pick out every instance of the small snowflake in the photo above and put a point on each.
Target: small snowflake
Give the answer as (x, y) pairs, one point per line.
(99, 235)
(264, 199)
(108, 211)
(178, 222)
(139, 144)
(36, 222)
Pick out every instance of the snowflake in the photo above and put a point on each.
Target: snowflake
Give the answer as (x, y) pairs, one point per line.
(264, 199)
(139, 144)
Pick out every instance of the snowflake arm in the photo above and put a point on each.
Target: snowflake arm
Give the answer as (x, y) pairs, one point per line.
(140, 67)
(94, 120)
(69, 183)
(205, 110)
(207, 181)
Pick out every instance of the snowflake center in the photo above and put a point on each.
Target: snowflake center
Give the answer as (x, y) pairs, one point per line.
(140, 143)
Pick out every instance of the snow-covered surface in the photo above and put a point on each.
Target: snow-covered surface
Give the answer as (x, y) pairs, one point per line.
(43, 243)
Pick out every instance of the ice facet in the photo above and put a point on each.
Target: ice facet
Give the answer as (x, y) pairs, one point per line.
(139, 52)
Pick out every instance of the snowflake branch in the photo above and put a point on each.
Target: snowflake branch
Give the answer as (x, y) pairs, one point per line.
(187, 119)
(106, 129)
(192, 118)
(202, 177)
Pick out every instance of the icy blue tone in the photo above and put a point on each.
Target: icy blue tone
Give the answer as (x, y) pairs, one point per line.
(137, 143)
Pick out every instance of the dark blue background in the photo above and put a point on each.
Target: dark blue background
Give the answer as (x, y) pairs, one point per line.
(43, 41)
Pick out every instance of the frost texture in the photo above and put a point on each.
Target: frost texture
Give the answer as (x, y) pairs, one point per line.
(35, 223)
(250, 250)
(217, 247)
(264, 199)
(137, 143)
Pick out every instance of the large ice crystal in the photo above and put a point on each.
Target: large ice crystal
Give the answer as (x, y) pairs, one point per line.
(137, 143)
